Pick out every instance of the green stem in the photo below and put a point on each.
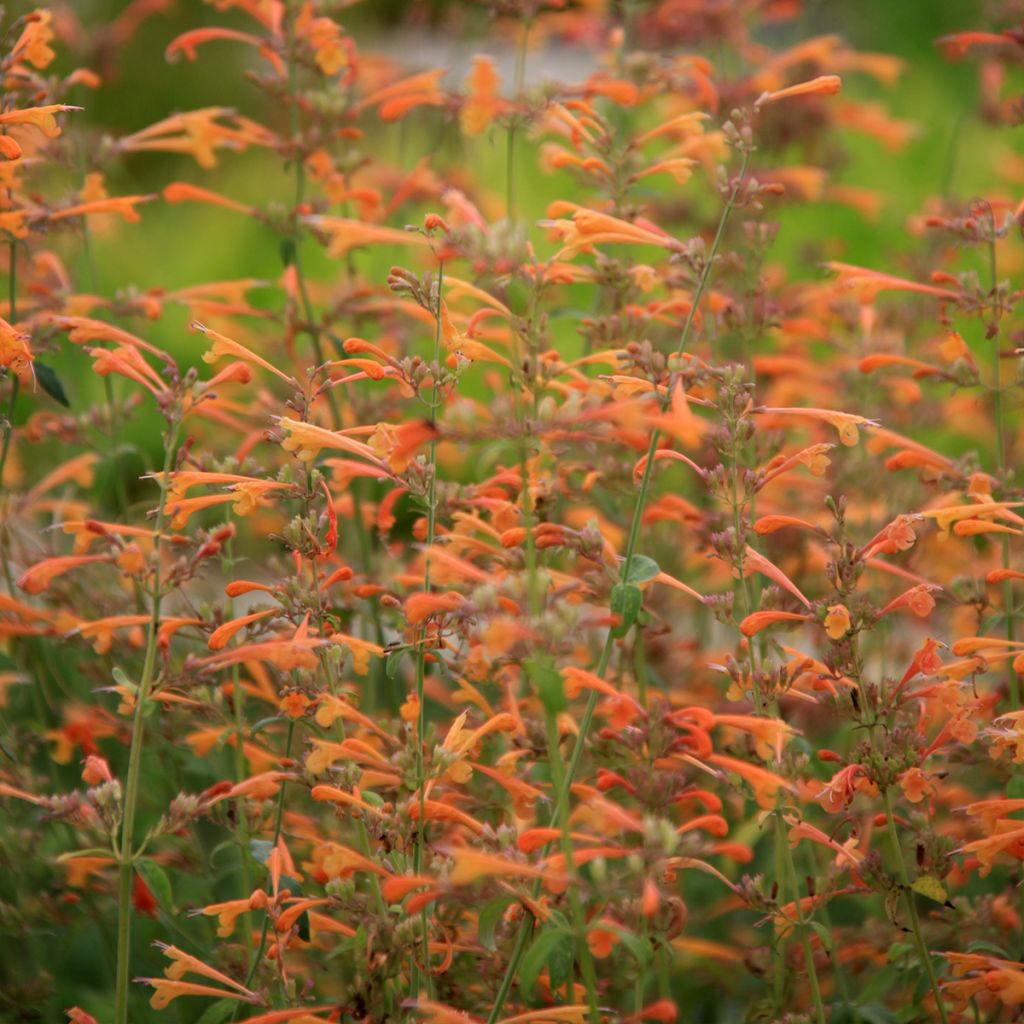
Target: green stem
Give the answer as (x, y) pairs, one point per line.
(513, 128)
(278, 820)
(12, 302)
(562, 796)
(1000, 431)
(126, 854)
(908, 893)
(782, 843)
(377, 676)
(575, 904)
(238, 709)
(421, 651)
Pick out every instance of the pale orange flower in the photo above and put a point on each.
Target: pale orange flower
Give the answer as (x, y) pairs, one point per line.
(824, 85)
(837, 621)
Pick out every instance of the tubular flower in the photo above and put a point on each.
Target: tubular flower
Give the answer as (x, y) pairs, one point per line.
(306, 440)
(38, 117)
(15, 353)
(38, 577)
(765, 784)
(825, 85)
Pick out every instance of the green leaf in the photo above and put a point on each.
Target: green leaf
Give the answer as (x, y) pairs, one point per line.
(898, 951)
(489, 918)
(50, 383)
(263, 723)
(641, 569)
(393, 660)
(228, 844)
(218, 1012)
(156, 879)
(549, 683)
(931, 887)
(537, 956)
(873, 1013)
(990, 948)
(626, 603)
(293, 885)
(560, 961)
(640, 947)
(287, 252)
(122, 680)
(824, 934)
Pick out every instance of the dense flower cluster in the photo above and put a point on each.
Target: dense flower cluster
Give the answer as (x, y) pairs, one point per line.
(562, 619)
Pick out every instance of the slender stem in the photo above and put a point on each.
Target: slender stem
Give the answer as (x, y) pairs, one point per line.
(108, 384)
(421, 646)
(126, 858)
(575, 905)
(562, 796)
(1000, 431)
(378, 677)
(823, 912)
(782, 843)
(278, 821)
(513, 128)
(12, 303)
(908, 893)
(238, 713)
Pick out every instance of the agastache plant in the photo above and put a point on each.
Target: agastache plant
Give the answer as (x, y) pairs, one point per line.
(542, 572)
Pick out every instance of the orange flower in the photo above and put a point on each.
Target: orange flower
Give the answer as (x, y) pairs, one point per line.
(33, 45)
(837, 621)
(396, 445)
(846, 423)
(344, 235)
(294, 704)
(917, 599)
(224, 346)
(868, 283)
(590, 227)
(771, 734)
(765, 784)
(183, 192)
(841, 788)
(470, 865)
(199, 133)
(124, 205)
(15, 353)
(846, 854)
(757, 621)
(420, 606)
(39, 117)
(96, 770)
(484, 103)
(601, 940)
(400, 97)
(187, 42)
(1008, 838)
(824, 85)
(307, 440)
(222, 635)
(227, 914)
(166, 990)
(916, 785)
(38, 577)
